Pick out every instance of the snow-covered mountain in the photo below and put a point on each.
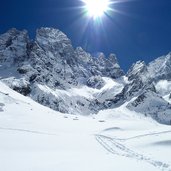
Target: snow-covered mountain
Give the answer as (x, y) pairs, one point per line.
(50, 62)
(34, 137)
(52, 72)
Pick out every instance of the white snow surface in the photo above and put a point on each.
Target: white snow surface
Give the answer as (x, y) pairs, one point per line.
(167, 98)
(36, 138)
(163, 87)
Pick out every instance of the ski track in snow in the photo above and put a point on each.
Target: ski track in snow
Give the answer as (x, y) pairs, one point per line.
(116, 148)
(144, 135)
(25, 130)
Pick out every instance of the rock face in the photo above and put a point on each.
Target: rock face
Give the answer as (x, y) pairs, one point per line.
(140, 92)
(151, 104)
(138, 82)
(146, 79)
(160, 68)
(52, 72)
(13, 47)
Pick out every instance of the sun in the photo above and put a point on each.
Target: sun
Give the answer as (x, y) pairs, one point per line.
(96, 8)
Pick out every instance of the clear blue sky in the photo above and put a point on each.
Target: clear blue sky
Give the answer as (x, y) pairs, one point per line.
(140, 31)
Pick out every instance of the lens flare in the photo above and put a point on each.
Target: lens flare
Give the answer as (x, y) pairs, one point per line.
(96, 8)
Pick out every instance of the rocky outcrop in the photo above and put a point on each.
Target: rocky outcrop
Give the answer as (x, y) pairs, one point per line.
(151, 104)
(160, 68)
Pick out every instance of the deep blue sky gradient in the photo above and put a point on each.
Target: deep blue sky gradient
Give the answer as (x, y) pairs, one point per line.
(140, 31)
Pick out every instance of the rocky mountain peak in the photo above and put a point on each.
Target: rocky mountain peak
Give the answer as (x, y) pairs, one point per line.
(82, 55)
(137, 70)
(51, 34)
(101, 58)
(50, 38)
(13, 47)
(160, 68)
(112, 58)
(13, 36)
(14, 32)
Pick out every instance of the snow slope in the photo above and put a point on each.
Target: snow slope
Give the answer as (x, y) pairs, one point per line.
(36, 138)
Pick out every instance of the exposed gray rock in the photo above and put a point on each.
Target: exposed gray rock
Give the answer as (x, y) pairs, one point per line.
(95, 82)
(13, 47)
(160, 68)
(151, 104)
(1, 107)
(139, 81)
